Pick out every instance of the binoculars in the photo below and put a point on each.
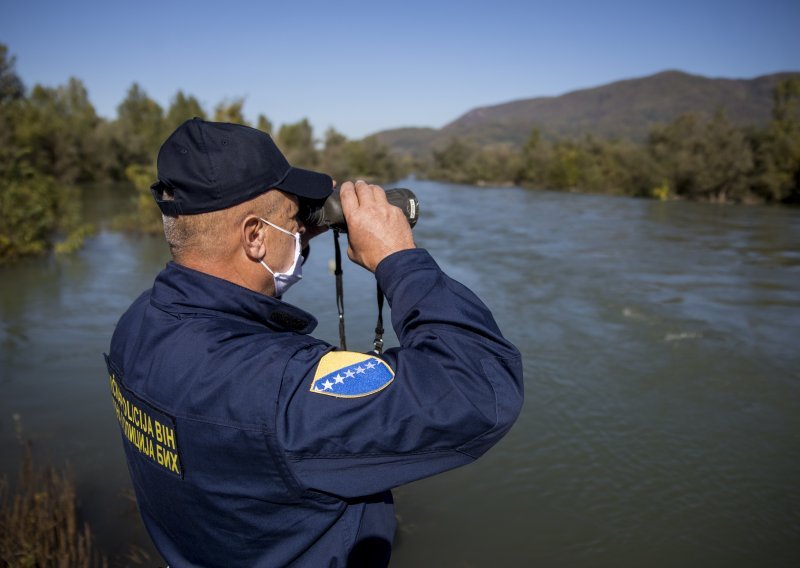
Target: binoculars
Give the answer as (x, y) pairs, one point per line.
(329, 212)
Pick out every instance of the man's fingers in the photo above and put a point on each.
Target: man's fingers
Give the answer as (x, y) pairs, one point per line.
(380, 194)
(348, 196)
(365, 192)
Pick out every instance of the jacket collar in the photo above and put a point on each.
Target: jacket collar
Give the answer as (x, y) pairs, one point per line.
(179, 290)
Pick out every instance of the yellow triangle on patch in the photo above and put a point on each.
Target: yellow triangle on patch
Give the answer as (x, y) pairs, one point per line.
(345, 374)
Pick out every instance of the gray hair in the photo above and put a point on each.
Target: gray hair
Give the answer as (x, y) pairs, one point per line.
(208, 234)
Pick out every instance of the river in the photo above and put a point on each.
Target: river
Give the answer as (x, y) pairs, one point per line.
(661, 345)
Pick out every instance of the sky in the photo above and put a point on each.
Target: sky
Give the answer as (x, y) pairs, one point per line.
(361, 67)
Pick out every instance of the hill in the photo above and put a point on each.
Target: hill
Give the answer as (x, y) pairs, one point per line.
(623, 109)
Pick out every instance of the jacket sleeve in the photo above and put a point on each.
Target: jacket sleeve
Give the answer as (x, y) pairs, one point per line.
(457, 389)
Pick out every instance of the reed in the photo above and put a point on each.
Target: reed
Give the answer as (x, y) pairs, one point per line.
(39, 524)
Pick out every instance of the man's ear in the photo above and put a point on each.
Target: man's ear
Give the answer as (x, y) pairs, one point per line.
(253, 238)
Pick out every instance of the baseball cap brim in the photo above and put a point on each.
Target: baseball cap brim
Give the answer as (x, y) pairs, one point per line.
(306, 183)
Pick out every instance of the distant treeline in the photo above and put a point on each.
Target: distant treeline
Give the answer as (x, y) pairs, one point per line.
(689, 158)
(51, 139)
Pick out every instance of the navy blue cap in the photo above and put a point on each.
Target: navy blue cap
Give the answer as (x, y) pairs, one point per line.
(209, 166)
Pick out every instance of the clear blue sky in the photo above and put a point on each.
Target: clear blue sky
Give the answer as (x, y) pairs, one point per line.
(366, 66)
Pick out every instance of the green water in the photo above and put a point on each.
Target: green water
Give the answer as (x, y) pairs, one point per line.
(660, 341)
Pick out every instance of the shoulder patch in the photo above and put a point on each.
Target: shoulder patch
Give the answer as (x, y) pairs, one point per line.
(345, 374)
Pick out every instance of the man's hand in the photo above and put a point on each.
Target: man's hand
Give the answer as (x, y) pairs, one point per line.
(375, 227)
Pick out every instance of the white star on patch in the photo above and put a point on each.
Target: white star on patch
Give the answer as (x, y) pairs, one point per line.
(359, 369)
(349, 374)
(370, 365)
(327, 385)
(338, 379)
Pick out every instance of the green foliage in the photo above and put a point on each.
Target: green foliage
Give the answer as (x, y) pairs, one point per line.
(455, 162)
(182, 108)
(139, 127)
(51, 138)
(369, 160)
(777, 149)
(144, 215)
(565, 167)
(230, 111)
(55, 126)
(36, 213)
(39, 209)
(264, 124)
(11, 87)
(708, 159)
(296, 141)
(365, 159)
(661, 192)
(333, 158)
(28, 209)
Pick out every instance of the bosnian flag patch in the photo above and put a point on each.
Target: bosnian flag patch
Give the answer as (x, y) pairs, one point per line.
(345, 374)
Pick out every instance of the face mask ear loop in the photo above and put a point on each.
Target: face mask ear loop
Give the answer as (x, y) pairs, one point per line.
(264, 264)
(339, 289)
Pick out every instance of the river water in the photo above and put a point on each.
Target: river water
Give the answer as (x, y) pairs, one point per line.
(662, 365)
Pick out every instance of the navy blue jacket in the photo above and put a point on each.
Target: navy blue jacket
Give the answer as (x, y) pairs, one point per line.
(250, 443)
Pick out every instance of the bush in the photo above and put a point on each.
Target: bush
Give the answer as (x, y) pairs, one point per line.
(144, 215)
(36, 213)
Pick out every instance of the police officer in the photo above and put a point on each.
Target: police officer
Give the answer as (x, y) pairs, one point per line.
(251, 443)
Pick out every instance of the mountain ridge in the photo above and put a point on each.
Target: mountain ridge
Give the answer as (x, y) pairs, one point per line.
(624, 109)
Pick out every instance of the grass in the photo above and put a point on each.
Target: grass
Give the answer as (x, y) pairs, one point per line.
(39, 523)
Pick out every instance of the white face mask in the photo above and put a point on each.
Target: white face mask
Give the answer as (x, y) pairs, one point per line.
(284, 280)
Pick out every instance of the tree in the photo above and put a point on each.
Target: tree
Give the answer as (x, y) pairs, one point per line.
(54, 125)
(182, 108)
(142, 215)
(368, 159)
(708, 160)
(496, 163)
(230, 112)
(296, 141)
(264, 124)
(365, 159)
(27, 210)
(777, 148)
(109, 151)
(140, 126)
(11, 87)
(565, 167)
(786, 104)
(454, 162)
(534, 159)
(333, 158)
(33, 207)
(11, 93)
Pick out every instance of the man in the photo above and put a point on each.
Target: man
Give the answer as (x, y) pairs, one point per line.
(249, 442)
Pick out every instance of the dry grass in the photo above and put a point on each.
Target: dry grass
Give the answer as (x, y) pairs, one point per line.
(39, 524)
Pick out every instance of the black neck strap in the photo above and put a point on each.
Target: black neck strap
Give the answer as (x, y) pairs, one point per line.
(378, 341)
(339, 290)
